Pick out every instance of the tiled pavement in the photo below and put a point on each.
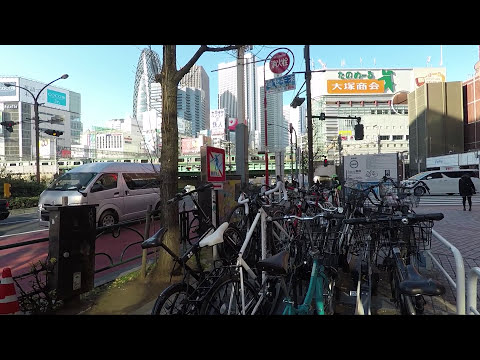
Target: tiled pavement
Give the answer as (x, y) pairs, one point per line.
(461, 229)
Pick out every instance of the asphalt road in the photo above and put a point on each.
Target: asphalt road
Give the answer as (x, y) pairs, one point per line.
(19, 224)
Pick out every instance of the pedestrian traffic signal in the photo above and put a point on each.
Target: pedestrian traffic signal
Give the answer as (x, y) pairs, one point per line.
(325, 162)
(359, 132)
(53, 132)
(8, 125)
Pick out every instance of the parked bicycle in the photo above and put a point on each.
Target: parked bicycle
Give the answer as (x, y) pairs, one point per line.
(185, 297)
(398, 240)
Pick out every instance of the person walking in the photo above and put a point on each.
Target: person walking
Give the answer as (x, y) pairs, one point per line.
(466, 190)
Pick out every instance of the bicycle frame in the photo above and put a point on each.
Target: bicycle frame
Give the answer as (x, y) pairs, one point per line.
(401, 269)
(314, 293)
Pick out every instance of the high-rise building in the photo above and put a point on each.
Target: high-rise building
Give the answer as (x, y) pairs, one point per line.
(227, 94)
(365, 93)
(191, 109)
(197, 78)
(277, 138)
(471, 98)
(148, 66)
(17, 105)
(435, 114)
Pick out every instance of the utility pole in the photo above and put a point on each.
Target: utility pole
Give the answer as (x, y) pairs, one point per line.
(241, 134)
(308, 76)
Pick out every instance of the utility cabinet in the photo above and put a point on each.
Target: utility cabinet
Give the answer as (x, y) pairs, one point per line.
(72, 244)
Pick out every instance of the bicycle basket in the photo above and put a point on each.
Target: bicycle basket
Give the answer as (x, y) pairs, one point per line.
(412, 237)
(387, 190)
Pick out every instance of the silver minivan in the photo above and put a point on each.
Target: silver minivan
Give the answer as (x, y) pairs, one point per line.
(122, 191)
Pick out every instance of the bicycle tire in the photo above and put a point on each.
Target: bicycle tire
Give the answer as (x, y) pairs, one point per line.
(173, 300)
(225, 298)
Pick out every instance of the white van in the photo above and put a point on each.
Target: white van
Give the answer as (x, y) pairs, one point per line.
(441, 182)
(122, 191)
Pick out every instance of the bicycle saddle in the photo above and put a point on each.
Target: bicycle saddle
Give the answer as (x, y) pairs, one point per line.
(276, 264)
(416, 284)
(155, 240)
(216, 237)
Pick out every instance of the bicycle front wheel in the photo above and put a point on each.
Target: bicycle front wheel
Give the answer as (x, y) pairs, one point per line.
(226, 299)
(174, 301)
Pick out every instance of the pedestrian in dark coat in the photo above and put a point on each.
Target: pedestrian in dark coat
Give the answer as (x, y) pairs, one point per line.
(466, 190)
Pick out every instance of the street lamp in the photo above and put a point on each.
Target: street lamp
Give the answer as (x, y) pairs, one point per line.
(37, 119)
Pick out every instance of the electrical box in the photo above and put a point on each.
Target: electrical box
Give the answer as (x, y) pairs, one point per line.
(72, 244)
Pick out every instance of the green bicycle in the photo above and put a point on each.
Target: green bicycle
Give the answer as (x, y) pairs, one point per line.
(318, 266)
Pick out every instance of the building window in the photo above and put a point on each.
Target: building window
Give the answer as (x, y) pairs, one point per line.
(397, 137)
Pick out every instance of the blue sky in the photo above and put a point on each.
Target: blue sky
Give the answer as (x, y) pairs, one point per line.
(104, 75)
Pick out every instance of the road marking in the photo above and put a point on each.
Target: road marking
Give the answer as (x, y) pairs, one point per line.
(16, 222)
(28, 232)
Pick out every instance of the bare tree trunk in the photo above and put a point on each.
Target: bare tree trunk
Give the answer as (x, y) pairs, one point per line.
(169, 79)
(169, 156)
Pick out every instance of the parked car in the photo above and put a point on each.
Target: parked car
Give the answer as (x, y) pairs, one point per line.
(4, 209)
(122, 191)
(441, 182)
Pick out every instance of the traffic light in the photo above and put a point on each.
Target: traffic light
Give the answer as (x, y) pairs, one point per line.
(53, 132)
(359, 132)
(325, 162)
(322, 116)
(8, 125)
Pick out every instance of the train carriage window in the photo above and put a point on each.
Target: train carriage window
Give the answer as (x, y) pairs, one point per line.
(144, 161)
(76, 163)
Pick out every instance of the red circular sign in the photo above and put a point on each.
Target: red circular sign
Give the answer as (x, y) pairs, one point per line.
(279, 62)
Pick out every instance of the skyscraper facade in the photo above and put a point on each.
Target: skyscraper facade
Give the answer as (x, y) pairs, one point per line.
(277, 137)
(191, 109)
(148, 66)
(227, 93)
(197, 78)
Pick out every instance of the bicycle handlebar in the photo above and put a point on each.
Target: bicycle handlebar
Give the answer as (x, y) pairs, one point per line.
(180, 196)
(307, 218)
(409, 218)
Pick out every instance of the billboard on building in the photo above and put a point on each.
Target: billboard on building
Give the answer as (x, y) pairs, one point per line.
(361, 81)
(429, 75)
(9, 93)
(217, 122)
(44, 148)
(52, 96)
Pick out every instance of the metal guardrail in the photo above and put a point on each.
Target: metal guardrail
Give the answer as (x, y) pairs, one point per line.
(459, 285)
(472, 282)
(114, 230)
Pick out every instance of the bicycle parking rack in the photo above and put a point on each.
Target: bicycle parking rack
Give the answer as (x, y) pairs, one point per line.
(472, 282)
(459, 285)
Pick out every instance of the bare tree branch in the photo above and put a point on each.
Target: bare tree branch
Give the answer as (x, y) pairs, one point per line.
(203, 48)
